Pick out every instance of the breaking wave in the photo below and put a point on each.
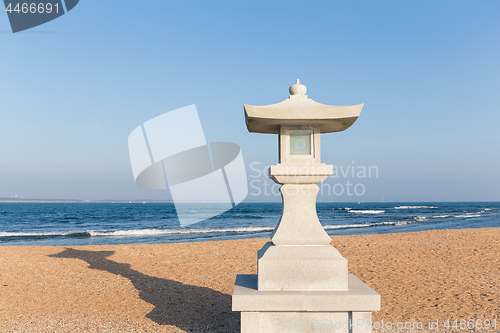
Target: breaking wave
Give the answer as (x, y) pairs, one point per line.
(134, 233)
(159, 232)
(415, 207)
(367, 211)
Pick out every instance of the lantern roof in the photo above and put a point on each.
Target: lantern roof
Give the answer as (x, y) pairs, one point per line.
(298, 109)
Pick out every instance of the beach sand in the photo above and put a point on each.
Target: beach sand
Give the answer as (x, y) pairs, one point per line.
(186, 287)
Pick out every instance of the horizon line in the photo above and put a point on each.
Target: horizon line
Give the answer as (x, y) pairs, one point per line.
(19, 200)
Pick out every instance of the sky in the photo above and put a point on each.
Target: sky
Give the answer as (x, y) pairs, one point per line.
(73, 89)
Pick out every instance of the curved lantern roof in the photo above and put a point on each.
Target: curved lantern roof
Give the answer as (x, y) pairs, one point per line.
(298, 109)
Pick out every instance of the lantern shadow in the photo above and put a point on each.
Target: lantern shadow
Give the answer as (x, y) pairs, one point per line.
(190, 308)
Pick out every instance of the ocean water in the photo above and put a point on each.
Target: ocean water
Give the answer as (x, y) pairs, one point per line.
(146, 223)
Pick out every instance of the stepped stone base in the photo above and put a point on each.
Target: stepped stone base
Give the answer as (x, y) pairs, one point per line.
(300, 267)
(338, 311)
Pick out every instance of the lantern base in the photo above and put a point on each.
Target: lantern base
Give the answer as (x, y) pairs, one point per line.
(293, 311)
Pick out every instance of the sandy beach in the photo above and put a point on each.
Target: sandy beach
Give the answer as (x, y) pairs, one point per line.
(186, 287)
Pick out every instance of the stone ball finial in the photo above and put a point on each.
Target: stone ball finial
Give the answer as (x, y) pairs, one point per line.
(297, 89)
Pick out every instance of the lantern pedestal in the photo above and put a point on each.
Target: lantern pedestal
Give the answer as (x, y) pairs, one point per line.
(302, 260)
(299, 213)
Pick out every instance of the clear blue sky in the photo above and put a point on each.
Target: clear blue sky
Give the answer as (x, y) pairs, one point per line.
(73, 89)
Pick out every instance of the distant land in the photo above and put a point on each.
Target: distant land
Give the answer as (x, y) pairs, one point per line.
(81, 201)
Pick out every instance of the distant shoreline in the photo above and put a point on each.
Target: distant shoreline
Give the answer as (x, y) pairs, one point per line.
(79, 201)
(12, 200)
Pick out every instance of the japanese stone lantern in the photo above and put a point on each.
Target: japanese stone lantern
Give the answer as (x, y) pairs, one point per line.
(299, 274)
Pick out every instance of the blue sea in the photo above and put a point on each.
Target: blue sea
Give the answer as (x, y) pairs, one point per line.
(146, 223)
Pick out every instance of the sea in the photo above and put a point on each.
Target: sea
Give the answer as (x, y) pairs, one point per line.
(32, 223)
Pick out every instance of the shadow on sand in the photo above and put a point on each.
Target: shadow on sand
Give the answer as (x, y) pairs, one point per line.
(187, 307)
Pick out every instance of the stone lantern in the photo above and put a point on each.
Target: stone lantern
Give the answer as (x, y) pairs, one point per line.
(302, 280)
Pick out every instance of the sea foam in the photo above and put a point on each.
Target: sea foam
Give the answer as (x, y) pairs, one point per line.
(367, 211)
